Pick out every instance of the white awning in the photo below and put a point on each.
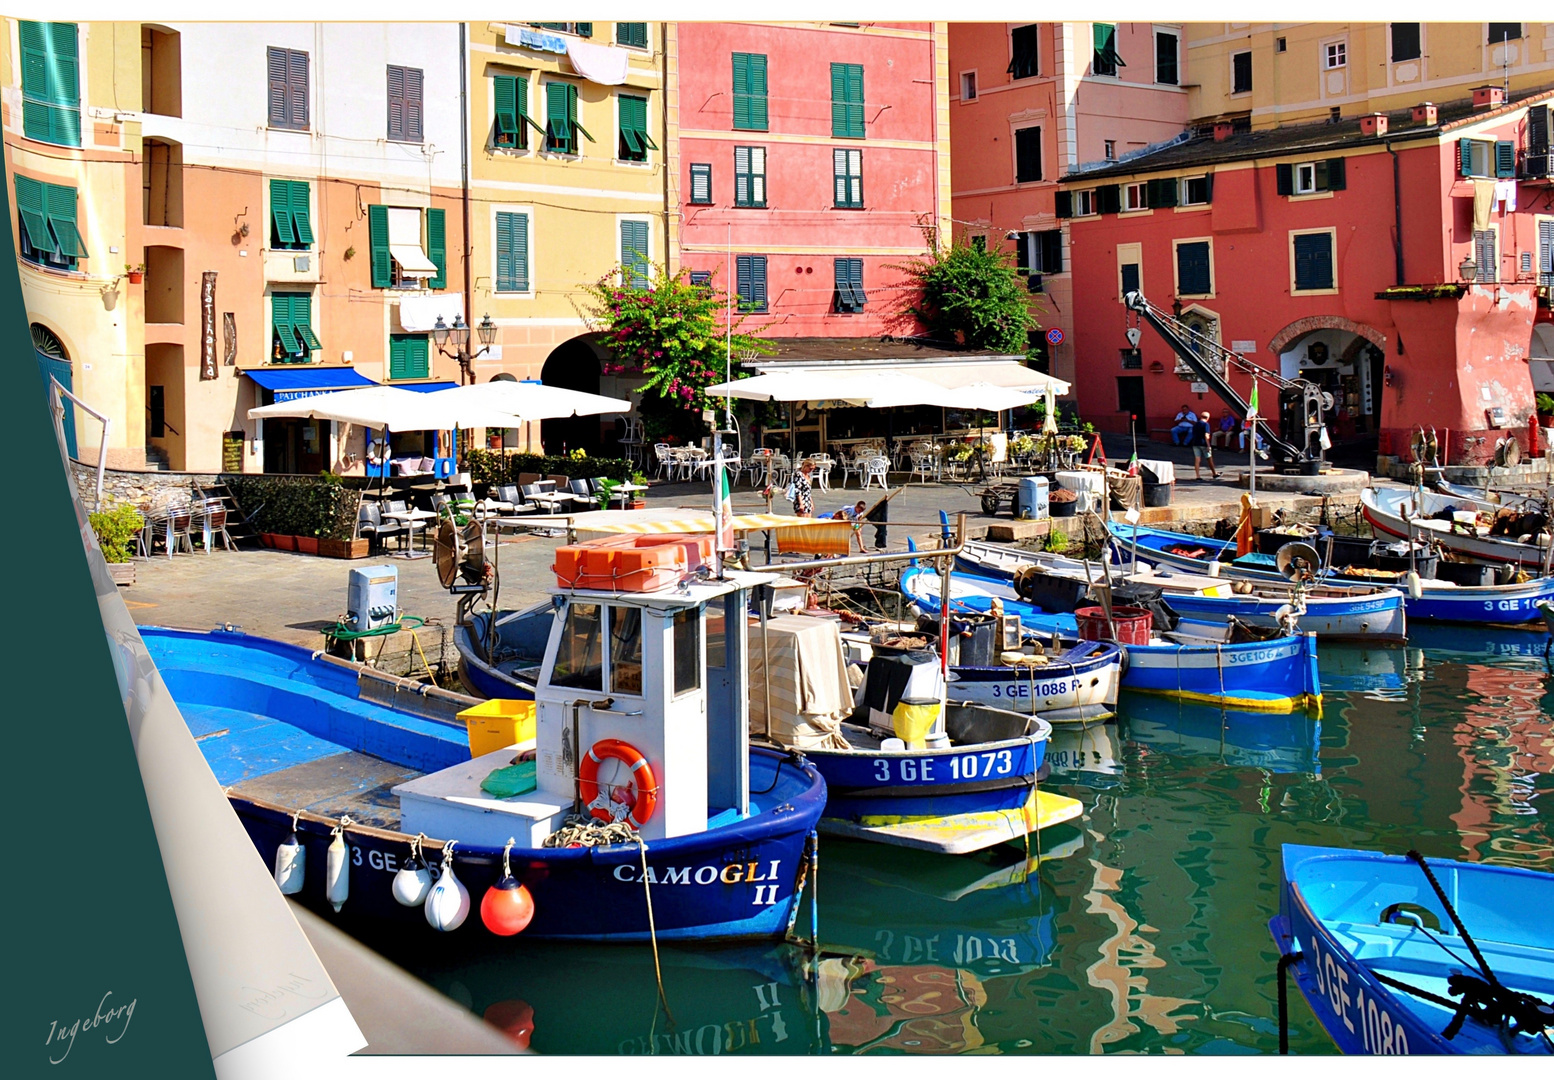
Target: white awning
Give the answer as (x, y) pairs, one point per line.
(388, 407)
(953, 373)
(418, 314)
(404, 228)
(528, 401)
(602, 64)
(879, 388)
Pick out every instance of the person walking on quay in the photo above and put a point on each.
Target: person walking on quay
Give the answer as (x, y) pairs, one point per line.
(1202, 447)
(803, 501)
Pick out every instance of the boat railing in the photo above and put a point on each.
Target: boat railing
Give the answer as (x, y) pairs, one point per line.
(407, 695)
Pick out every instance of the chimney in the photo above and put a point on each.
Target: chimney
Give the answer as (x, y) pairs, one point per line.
(1373, 124)
(1223, 130)
(1487, 97)
(1425, 113)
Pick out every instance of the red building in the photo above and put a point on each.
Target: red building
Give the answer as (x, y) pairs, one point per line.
(1403, 261)
(809, 158)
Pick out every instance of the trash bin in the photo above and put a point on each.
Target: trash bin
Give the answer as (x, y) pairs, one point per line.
(894, 675)
(1132, 624)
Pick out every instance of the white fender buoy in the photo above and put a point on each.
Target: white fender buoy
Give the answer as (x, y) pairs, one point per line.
(291, 860)
(1214, 568)
(1415, 587)
(337, 866)
(414, 880)
(447, 904)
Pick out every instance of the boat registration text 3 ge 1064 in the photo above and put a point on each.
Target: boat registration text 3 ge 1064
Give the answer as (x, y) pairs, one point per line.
(958, 767)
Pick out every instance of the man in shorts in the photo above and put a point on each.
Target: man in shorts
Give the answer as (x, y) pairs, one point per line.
(1202, 448)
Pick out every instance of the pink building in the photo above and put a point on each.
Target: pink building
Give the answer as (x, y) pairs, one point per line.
(1030, 102)
(809, 158)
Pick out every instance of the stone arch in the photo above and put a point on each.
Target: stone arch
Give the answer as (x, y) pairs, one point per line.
(575, 364)
(1301, 327)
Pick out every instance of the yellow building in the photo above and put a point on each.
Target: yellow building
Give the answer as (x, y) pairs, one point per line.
(72, 157)
(567, 182)
(1280, 73)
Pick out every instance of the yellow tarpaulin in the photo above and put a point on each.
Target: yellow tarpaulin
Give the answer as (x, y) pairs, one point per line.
(816, 537)
(614, 522)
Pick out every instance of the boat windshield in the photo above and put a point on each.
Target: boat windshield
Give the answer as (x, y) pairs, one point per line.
(687, 650)
(580, 653)
(626, 651)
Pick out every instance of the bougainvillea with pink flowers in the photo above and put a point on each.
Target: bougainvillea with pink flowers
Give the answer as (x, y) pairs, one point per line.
(674, 333)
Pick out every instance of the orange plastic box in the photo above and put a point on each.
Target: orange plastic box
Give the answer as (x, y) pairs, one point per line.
(631, 563)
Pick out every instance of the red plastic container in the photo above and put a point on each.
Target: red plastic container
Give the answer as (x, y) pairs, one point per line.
(1132, 623)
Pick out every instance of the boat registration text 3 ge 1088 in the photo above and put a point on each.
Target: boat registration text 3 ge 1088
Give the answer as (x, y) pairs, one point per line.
(958, 767)
(1017, 689)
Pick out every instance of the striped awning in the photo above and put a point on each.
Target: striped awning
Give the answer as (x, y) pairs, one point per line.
(670, 521)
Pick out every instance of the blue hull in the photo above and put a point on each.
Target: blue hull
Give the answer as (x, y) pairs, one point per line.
(1278, 675)
(914, 584)
(1443, 602)
(1277, 742)
(929, 783)
(1334, 912)
(289, 733)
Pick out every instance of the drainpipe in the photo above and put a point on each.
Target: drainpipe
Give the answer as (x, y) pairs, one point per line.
(469, 299)
(1397, 215)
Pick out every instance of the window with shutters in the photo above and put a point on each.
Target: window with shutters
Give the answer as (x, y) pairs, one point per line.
(847, 178)
(400, 257)
(1545, 251)
(51, 82)
(1084, 203)
(405, 110)
(1194, 275)
(1166, 58)
(1486, 254)
(561, 126)
(847, 101)
(750, 91)
(48, 230)
(634, 141)
(1504, 31)
(1241, 73)
(511, 120)
(1481, 157)
(1027, 154)
(1128, 275)
(1312, 177)
(701, 278)
(850, 297)
(1046, 251)
(581, 29)
(288, 83)
(1135, 197)
(1405, 41)
(1104, 60)
(701, 184)
(1195, 190)
(512, 252)
(750, 283)
(1023, 60)
(1311, 261)
(635, 268)
(291, 220)
(292, 339)
(410, 356)
(633, 35)
(750, 176)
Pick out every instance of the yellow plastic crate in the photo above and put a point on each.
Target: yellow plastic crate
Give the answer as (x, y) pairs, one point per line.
(497, 723)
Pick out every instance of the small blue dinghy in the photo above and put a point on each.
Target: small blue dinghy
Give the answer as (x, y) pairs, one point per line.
(1407, 955)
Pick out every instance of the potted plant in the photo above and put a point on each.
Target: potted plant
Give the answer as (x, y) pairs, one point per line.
(1062, 502)
(115, 528)
(135, 273)
(637, 502)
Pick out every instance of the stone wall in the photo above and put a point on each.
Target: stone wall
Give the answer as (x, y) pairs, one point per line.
(131, 485)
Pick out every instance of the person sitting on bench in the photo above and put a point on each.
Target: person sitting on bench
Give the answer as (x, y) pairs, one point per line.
(1181, 426)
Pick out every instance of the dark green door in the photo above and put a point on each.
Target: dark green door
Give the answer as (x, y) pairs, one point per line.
(58, 368)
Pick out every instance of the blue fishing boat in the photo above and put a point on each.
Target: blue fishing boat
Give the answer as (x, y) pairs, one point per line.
(1198, 661)
(329, 752)
(504, 660)
(1332, 612)
(1441, 601)
(1406, 955)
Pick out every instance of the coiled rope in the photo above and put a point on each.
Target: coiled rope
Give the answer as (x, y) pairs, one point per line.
(580, 831)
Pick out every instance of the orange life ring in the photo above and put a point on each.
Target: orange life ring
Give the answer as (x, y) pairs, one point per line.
(601, 805)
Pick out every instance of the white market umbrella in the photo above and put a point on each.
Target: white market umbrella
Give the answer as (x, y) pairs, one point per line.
(986, 397)
(791, 386)
(523, 401)
(388, 407)
(1049, 424)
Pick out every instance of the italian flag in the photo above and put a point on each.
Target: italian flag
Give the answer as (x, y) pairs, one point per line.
(1251, 410)
(725, 512)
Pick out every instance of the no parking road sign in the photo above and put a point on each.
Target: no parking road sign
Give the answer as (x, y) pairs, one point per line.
(1055, 336)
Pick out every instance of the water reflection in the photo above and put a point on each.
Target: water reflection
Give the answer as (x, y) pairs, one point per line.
(1142, 929)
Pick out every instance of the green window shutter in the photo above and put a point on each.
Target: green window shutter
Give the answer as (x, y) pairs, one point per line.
(302, 320)
(51, 82)
(520, 240)
(633, 34)
(300, 216)
(1108, 199)
(1465, 157)
(420, 357)
(1284, 179)
(741, 91)
(512, 252)
(1208, 188)
(437, 245)
(281, 320)
(635, 140)
(558, 119)
(1337, 174)
(504, 89)
(758, 281)
(750, 91)
(60, 205)
(1314, 261)
(30, 205)
(847, 101)
(397, 355)
(409, 356)
(585, 29)
(634, 260)
(378, 238)
(280, 214)
(1505, 159)
(1063, 204)
(701, 184)
(573, 120)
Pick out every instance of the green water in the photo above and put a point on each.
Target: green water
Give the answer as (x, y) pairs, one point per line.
(1142, 930)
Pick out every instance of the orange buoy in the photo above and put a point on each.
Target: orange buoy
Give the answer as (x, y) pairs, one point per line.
(515, 1017)
(604, 806)
(507, 907)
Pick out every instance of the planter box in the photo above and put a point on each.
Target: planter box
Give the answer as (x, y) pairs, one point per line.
(343, 549)
(307, 545)
(281, 541)
(122, 573)
(637, 504)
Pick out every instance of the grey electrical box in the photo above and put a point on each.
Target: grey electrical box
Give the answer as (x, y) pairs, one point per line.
(301, 264)
(373, 598)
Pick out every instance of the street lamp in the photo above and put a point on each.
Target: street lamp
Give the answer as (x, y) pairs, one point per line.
(458, 336)
(1468, 270)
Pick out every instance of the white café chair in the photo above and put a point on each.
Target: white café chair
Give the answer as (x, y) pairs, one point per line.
(877, 468)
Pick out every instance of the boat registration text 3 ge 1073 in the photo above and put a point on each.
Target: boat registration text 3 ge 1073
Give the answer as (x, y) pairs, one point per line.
(957, 767)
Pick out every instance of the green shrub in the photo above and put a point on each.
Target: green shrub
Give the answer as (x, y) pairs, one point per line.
(324, 506)
(490, 467)
(116, 528)
(1057, 541)
(1545, 404)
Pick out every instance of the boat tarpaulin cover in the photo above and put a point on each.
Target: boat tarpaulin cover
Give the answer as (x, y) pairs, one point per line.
(817, 538)
(676, 521)
(810, 693)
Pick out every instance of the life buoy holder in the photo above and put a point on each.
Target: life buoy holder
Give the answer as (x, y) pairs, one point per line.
(598, 800)
(377, 451)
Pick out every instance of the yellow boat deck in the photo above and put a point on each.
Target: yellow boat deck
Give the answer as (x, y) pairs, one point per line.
(961, 833)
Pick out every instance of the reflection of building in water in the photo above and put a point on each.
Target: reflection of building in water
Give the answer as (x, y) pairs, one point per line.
(1505, 741)
(1123, 955)
(913, 1009)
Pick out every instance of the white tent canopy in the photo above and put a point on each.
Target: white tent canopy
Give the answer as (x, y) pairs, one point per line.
(525, 401)
(989, 385)
(388, 407)
(952, 372)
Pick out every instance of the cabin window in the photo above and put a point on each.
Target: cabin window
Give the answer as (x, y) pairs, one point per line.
(687, 650)
(580, 654)
(717, 634)
(626, 651)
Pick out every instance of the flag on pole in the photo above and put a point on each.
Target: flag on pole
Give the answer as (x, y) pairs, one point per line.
(725, 540)
(1251, 409)
(1133, 464)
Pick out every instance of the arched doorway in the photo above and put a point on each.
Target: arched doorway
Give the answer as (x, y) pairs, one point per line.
(573, 365)
(54, 363)
(1344, 358)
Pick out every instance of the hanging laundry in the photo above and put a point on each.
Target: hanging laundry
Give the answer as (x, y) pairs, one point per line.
(1483, 199)
(1505, 192)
